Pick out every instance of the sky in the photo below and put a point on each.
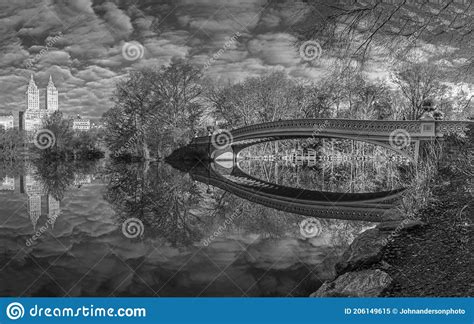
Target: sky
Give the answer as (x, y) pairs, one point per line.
(88, 45)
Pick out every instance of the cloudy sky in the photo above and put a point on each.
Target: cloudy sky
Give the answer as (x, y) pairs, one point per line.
(81, 42)
(87, 45)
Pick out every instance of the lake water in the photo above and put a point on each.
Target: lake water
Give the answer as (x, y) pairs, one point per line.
(104, 229)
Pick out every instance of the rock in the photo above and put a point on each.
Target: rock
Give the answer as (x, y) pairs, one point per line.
(399, 225)
(365, 283)
(365, 250)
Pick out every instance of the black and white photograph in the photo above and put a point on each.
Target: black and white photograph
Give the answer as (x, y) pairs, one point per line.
(236, 148)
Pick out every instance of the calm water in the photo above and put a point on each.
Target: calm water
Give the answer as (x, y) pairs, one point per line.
(62, 230)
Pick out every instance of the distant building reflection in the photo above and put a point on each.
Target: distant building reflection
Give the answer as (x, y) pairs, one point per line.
(39, 201)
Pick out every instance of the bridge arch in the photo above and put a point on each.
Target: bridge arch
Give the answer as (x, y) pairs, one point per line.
(377, 132)
(239, 148)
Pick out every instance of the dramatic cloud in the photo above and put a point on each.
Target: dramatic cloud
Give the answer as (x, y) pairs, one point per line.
(80, 44)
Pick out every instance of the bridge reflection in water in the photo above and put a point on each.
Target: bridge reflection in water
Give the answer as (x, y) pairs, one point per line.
(369, 206)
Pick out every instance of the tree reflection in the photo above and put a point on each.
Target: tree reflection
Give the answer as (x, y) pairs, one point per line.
(337, 166)
(182, 211)
(248, 217)
(57, 176)
(160, 197)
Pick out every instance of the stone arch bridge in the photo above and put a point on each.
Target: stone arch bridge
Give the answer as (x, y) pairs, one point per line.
(403, 137)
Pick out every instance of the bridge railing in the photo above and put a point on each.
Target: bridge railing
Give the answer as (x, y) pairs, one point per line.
(335, 124)
(452, 126)
(355, 126)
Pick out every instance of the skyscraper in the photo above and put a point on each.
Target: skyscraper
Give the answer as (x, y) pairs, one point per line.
(32, 95)
(32, 117)
(51, 96)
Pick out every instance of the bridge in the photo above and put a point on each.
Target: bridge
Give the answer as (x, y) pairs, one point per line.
(403, 137)
(373, 207)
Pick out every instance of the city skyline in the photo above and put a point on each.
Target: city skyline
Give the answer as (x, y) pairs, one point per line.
(39, 202)
(40, 100)
(32, 116)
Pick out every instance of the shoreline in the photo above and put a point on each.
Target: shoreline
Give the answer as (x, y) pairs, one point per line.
(428, 255)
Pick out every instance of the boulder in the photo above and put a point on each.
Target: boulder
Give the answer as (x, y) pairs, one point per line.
(365, 250)
(365, 283)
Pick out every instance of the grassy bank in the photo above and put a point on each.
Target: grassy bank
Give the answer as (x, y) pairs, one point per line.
(435, 260)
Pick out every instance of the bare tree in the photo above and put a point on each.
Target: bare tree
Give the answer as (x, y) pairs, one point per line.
(256, 100)
(154, 105)
(418, 82)
(349, 28)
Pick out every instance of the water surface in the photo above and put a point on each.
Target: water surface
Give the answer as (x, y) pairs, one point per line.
(62, 231)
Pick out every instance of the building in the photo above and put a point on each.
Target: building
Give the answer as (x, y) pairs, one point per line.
(39, 202)
(34, 190)
(7, 183)
(32, 118)
(84, 179)
(51, 96)
(34, 208)
(32, 95)
(6, 121)
(54, 209)
(81, 124)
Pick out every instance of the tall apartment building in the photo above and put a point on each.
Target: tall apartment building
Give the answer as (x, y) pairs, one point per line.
(6, 121)
(32, 118)
(51, 96)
